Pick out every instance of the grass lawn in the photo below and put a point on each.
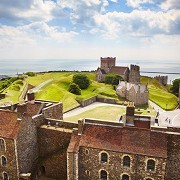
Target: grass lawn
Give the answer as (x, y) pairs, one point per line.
(110, 113)
(159, 94)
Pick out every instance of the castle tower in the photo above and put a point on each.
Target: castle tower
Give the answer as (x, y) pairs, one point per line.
(130, 109)
(107, 63)
(134, 76)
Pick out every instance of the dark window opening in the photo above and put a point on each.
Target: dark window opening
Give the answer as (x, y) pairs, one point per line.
(3, 161)
(151, 165)
(104, 158)
(125, 177)
(103, 175)
(2, 144)
(126, 161)
(5, 176)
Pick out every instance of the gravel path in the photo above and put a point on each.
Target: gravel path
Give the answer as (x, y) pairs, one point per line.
(41, 85)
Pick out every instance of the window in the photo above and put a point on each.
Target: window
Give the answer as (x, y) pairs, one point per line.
(150, 165)
(104, 157)
(148, 179)
(126, 161)
(3, 161)
(103, 175)
(5, 176)
(2, 144)
(86, 151)
(125, 177)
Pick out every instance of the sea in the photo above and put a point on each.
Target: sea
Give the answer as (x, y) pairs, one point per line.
(12, 67)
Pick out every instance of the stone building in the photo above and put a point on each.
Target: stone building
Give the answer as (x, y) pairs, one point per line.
(162, 79)
(136, 93)
(134, 75)
(108, 65)
(35, 141)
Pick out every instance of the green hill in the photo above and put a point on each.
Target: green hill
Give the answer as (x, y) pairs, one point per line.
(160, 94)
(57, 90)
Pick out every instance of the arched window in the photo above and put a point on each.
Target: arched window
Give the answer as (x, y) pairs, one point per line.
(103, 175)
(104, 157)
(2, 146)
(125, 177)
(148, 179)
(150, 165)
(126, 161)
(3, 161)
(5, 176)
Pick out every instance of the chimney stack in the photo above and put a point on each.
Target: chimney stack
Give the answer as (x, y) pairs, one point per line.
(130, 109)
(30, 96)
(21, 109)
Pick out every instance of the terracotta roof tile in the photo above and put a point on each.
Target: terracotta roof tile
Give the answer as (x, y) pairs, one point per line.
(124, 139)
(9, 125)
(33, 109)
(119, 70)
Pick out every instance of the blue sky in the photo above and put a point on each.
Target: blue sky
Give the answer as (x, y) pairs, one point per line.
(89, 29)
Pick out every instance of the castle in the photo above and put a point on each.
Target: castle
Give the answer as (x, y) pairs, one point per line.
(130, 88)
(34, 140)
(108, 66)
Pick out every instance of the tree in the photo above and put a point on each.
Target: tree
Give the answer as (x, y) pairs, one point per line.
(112, 79)
(175, 86)
(74, 88)
(81, 80)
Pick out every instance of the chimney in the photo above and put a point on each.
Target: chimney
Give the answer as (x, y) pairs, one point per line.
(130, 113)
(21, 109)
(80, 126)
(30, 96)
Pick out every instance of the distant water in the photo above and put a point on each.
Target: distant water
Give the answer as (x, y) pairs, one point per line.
(14, 66)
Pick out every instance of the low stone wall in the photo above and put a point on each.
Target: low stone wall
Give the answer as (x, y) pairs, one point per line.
(106, 100)
(87, 102)
(61, 123)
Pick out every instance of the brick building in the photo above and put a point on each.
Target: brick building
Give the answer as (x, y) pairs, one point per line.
(35, 141)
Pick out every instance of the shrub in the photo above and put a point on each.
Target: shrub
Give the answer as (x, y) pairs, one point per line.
(74, 88)
(20, 82)
(30, 74)
(175, 86)
(81, 80)
(15, 87)
(112, 79)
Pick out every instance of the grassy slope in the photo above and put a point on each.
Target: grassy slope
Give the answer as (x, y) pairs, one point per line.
(12, 95)
(57, 90)
(159, 94)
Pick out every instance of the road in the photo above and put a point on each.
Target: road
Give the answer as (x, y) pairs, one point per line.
(167, 118)
(41, 85)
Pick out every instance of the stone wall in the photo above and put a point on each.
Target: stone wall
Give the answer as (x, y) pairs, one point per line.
(106, 100)
(55, 111)
(173, 157)
(90, 165)
(87, 102)
(9, 154)
(53, 144)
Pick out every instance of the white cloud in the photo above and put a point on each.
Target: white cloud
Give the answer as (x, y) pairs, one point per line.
(32, 34)
(137, 3)
(169, 4)
(31, 10)
(138, 23)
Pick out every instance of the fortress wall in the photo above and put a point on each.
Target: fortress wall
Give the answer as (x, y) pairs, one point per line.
(53, 144)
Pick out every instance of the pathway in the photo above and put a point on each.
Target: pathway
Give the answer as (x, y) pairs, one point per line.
(41, 85)
(167, 118)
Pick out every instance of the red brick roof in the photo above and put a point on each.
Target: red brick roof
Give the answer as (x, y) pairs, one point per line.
(32, 109)
(124, 139)
(9, 125)
(119, 70)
